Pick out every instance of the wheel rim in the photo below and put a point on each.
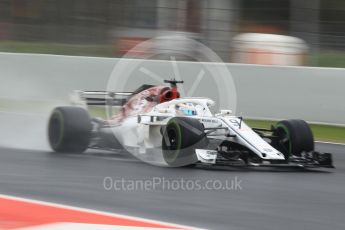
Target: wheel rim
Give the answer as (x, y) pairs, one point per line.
(172, 137)
(172, 143)
(284, 140)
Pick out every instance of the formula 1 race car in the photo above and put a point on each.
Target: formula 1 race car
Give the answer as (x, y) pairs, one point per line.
(155, 118)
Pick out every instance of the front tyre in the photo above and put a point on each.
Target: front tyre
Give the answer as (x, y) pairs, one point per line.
(181, 136)
(69, 129)
(293, 137)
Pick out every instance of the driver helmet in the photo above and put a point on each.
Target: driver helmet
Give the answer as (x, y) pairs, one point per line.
(186, 109)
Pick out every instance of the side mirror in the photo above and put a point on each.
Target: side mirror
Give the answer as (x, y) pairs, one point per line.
(225, 112)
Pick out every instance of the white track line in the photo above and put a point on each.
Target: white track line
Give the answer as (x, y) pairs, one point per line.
(78, 226)
(330, 143)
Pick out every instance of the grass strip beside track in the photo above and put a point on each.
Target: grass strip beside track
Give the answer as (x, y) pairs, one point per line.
(323, 59)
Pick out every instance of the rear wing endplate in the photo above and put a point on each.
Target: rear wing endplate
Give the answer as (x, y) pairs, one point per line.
(100, 98)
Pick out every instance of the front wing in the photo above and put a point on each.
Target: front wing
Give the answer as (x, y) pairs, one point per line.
(308, 160)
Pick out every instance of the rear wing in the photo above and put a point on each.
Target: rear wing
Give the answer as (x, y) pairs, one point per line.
(99, 98)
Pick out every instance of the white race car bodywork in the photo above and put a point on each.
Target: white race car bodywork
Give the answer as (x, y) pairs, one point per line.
(143, 131)
(156, 125)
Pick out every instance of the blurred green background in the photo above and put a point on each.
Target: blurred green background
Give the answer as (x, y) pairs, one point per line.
(109, 28)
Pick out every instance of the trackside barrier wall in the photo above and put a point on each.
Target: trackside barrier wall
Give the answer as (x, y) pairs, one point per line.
(264, 92)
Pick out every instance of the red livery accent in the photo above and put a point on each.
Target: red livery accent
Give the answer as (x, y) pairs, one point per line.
(19, 213)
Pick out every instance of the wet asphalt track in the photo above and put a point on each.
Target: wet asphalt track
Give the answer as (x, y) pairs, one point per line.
(268, 199)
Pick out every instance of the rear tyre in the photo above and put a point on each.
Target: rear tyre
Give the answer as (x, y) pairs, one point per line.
(69, 129)
(294, 137)
(181, 136)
